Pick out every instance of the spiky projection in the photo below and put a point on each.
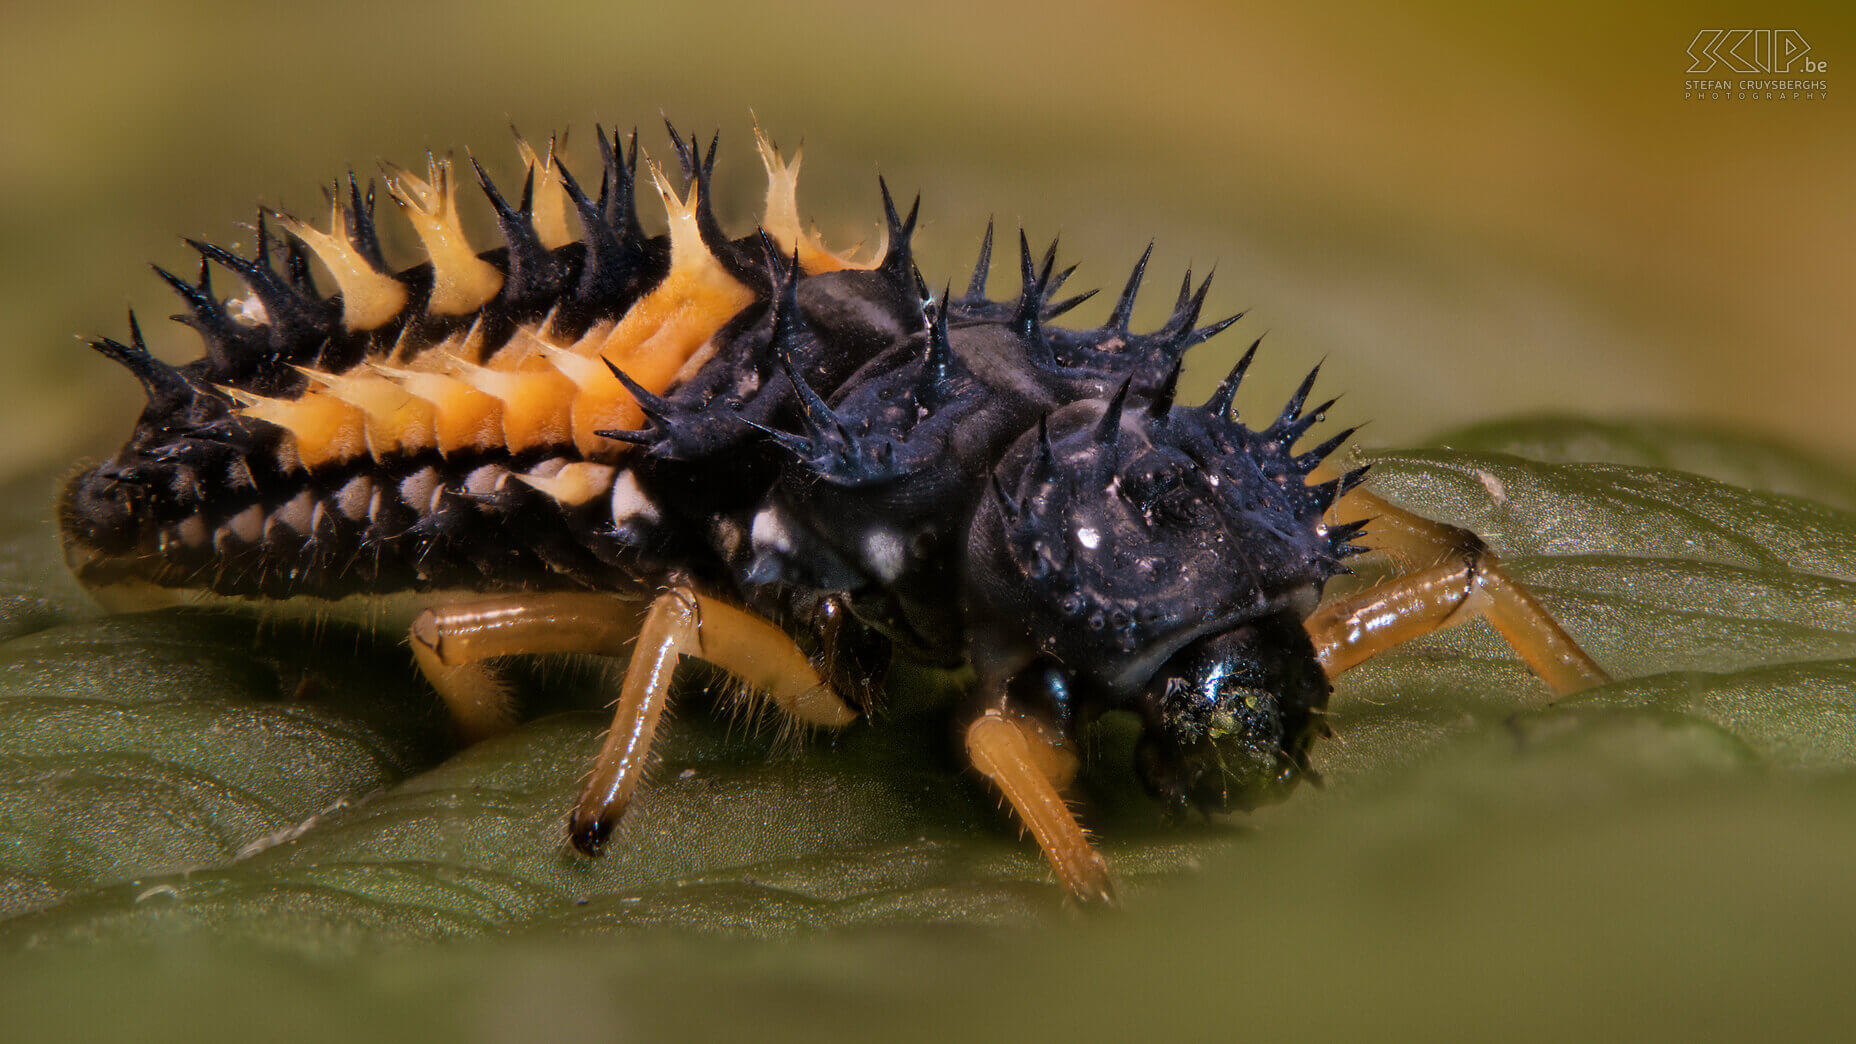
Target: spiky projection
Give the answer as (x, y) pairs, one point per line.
(590, 408)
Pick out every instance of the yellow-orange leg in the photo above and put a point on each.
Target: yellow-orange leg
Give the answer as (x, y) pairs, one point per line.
(1030, 764)
(451, 642)
(1469, 582)
(682, 622)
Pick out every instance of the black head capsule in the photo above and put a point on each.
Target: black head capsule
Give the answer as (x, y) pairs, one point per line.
(1231, 716)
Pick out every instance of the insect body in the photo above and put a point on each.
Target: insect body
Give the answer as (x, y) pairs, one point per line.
(790, 464)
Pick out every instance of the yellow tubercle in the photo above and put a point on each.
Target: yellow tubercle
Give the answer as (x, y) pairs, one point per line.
(396, 420)
(781, 217)
(575, 484)
(322, 429)
(370, 297)
(656, 336)
(540, 390)
(550, 199)
(546, 329)
(468, 345)
(462, 282)
(687, 250)
(600, 403)
(576, 368)
(537, 403)
(462, 416)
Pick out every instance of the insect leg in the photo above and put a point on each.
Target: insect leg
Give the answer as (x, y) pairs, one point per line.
(451, 642)
(1469, 582)
(682, 622)
(1030, 765)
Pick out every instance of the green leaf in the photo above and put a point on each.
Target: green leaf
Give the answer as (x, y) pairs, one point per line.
(239, 801)
(1736, 458)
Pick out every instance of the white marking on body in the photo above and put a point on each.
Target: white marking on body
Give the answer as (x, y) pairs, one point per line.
(352, 499)
(247, 526)
(1089, 538)
(416, 488)
(488, 479)
(315, 518)
(191, 531)
(630, 501)
(297, 513)
(883, 553)
(769, 531)
(294, 515)
(248, 310)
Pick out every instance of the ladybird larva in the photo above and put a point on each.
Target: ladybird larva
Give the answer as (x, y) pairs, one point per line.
(792, 464)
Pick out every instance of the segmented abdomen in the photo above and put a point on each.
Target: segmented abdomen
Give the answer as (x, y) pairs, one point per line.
(435, 427)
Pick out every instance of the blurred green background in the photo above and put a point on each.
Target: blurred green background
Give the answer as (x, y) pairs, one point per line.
(1471, 211)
